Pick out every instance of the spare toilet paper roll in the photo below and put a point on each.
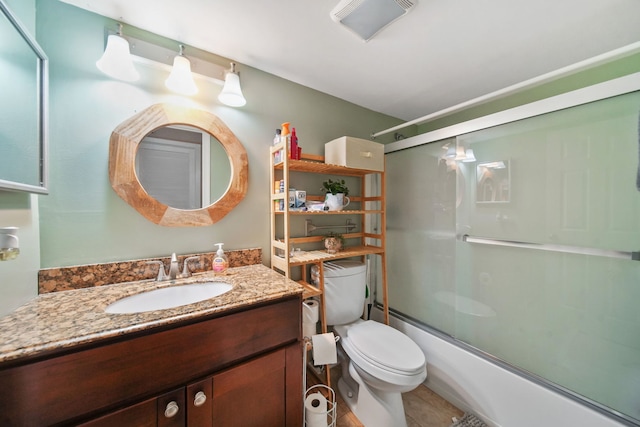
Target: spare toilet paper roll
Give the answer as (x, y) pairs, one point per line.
(315, 410)
(311, 310)
(324, 349)
(310, 316)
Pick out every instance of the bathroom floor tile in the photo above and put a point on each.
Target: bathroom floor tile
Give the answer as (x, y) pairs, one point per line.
(423, 407)
(431, 412)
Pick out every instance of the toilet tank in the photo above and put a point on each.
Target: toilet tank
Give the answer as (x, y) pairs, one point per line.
(345, 291)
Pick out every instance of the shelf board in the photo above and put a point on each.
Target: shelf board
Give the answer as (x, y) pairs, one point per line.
(309, 290)
(312, 257)
(324, 168)
(349, 212)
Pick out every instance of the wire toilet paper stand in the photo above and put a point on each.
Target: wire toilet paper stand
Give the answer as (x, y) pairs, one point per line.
(319, 401)
(320, 406)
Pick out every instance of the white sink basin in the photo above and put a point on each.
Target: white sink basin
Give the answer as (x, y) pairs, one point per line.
(171, 297)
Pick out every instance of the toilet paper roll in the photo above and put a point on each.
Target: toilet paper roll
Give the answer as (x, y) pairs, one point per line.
(308, 329)
(324, 349)
(310, 310)
(310, 316)
(315, 414)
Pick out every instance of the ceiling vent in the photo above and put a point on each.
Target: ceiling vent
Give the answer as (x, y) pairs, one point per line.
(367, 17)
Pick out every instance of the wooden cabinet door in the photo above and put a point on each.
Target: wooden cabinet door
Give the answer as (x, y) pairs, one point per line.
(200, 404)
(172, 410)
(168, 410)
(142, 414)
(252, 394)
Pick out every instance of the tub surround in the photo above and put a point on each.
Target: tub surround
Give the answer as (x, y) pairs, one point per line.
(91, 275)
(55, 321)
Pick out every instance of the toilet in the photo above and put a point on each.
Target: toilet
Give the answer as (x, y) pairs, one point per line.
(379, 363)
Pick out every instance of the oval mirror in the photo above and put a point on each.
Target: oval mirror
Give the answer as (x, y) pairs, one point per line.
(158, 165)
(183, 167)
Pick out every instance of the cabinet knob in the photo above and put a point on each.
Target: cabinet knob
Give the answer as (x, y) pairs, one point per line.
(199, 398)
(171, 410)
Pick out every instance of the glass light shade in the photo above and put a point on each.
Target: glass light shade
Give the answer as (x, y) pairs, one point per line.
(181, 80)
(231, 93)
(469, 156)
(451, 152)
(116, 60)
(460, 153)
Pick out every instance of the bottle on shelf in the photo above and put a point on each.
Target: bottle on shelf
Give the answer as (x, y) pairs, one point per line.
(285, 135)
(294, 145)
(276, 139)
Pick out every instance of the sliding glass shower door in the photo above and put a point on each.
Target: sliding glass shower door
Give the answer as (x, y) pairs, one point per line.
(520, 240)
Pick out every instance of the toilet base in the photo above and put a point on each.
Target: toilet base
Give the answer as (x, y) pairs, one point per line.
(374, 408)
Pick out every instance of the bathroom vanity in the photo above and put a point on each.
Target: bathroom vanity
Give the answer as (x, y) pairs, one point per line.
(232, 360)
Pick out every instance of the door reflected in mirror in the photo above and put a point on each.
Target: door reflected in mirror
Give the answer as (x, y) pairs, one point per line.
(183, 167)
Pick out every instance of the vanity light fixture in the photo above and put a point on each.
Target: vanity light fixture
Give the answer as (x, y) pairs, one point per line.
(494, 165)
(9, 248)
(469, 156)
(183, 71)
(116, 60)
(450, 151)
(459, 153)
(181, 80)
(231, 93)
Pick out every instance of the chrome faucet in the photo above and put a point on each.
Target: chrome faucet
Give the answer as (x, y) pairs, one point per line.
(173, 268)
(162, 275)
(185, 265)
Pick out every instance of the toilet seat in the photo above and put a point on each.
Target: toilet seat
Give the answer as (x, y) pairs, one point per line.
(384, 352)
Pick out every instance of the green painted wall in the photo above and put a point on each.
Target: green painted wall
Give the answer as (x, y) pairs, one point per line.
(591, 76)
(83, 220)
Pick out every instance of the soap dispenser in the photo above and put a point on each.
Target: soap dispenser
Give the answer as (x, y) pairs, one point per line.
(220, 261)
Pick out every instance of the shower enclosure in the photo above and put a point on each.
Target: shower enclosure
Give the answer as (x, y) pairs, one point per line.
(522, 240)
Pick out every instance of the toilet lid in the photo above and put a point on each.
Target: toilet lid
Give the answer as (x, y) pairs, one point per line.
(386, 347)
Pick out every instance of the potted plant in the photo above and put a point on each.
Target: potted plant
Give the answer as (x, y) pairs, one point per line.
(337, 191)
(333, 242)
(335, 187)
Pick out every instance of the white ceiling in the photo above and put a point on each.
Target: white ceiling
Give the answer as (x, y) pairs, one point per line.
(442, 53)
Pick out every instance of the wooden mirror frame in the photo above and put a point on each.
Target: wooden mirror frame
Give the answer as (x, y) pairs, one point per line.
(123, 146)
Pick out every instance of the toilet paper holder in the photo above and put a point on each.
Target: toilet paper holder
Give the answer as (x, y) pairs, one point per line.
(320, 406)
(308, 344)
(324, 348)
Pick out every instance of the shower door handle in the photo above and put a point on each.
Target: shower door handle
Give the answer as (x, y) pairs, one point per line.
(635, 256)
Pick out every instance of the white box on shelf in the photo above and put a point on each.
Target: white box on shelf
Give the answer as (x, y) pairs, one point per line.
(355, 153)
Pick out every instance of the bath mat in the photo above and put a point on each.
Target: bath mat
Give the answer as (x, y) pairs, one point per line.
(469, 420)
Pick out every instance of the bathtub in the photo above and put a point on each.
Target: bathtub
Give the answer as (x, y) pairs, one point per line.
(498, 396)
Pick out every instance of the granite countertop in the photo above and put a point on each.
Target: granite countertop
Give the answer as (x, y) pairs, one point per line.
(60, 320)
